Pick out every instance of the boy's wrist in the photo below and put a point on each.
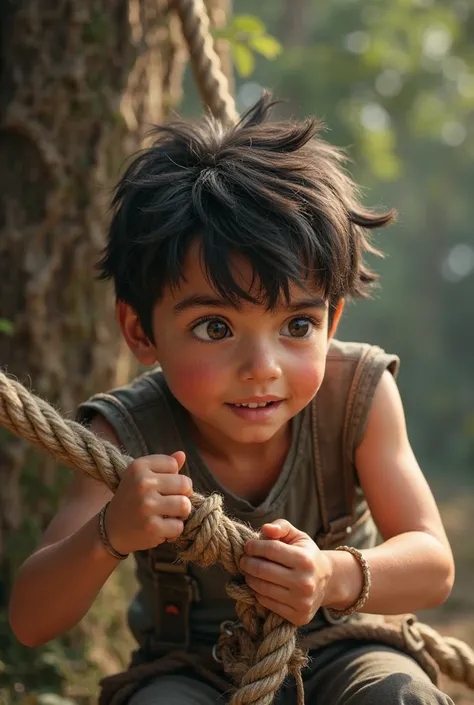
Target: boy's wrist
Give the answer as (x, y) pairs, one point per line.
(345, 582)
(104, 537)
(99, 551)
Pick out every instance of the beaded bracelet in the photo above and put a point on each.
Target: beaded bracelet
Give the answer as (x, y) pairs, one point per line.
(364, 594)
(105, 539)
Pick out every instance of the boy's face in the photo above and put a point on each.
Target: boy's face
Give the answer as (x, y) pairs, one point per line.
(218, 359)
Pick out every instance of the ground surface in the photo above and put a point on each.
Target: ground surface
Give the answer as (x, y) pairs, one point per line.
(456, 617)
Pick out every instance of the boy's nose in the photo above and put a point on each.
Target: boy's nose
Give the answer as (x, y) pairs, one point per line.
(259, 363)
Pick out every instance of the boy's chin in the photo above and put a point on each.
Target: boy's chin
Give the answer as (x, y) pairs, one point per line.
(253, 435)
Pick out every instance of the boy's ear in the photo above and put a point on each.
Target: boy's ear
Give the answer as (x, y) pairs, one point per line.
(132, 331)
(336, 318)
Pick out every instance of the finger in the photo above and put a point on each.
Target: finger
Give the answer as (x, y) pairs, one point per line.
(275, 551)
(180, 458)
(266, 570)
(166, 528)
(263, 587)
(284, 531)
(161, 463)
(176, 506)
(285, 611)
(272, 531)
(174, 484)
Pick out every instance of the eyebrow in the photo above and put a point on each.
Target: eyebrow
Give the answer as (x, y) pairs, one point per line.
(202, 301)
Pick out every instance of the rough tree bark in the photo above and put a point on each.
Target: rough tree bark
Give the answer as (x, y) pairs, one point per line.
(80, 81)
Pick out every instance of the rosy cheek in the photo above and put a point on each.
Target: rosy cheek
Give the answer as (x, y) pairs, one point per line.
(194, 381)
(307, 376)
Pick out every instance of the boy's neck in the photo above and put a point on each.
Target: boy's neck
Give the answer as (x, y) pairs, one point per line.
(247, 470)
(223, 449)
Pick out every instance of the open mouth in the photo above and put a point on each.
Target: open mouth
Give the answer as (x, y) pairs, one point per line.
(254, 411)
(255, 405)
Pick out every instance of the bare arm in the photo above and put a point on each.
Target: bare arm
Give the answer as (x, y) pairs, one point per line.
(58, 583)
(413, 569)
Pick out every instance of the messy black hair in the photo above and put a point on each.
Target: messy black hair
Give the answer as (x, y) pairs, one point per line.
(274, 192)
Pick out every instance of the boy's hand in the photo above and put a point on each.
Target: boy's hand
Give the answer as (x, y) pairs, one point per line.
(287, 571)
(150, 504)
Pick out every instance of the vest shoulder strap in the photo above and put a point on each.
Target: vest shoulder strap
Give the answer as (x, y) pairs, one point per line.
(339, 414)
(141, 414)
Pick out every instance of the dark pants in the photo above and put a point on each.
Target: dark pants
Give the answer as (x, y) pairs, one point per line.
(342, 674)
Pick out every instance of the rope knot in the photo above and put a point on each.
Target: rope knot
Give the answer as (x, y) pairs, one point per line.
(201, 539)
(261, 650)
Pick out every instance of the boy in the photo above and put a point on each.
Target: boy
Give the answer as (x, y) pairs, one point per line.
(232, 251)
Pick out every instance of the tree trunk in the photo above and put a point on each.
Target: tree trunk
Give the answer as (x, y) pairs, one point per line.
(295, 23)
(80, 80)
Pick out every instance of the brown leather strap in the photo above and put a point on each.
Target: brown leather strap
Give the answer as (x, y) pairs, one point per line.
(174, 592)
(332, 438)
(335, 510)
(366, 372)
(174, 588)
(339, 415)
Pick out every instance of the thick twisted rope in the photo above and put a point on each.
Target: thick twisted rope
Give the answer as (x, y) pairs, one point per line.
(434, 652)
(205, 62)
(259, 654)
(267, 646)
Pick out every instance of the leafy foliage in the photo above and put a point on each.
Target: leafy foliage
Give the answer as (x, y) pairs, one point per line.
(247, 36)
(394, 82)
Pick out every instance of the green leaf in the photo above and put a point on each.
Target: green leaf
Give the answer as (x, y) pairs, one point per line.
(248, 24)
(6, 326)
(266, 45)
(243, 59)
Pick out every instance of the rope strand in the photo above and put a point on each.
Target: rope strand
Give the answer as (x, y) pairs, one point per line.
(260, 653)
(205, 62)
(209, 536)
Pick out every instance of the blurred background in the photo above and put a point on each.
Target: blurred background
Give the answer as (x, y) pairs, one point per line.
(393, 81)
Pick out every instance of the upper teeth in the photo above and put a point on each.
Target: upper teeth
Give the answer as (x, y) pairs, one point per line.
(254, 405)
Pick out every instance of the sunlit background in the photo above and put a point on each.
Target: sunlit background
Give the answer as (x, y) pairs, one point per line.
(393, 81)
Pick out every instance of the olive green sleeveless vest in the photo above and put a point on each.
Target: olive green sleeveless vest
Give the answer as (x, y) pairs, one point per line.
(317, 490)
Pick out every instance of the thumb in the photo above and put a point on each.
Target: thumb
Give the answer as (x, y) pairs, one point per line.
(180, 458)
(284, 531)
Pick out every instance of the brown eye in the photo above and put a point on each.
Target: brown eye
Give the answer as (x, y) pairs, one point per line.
(213, 329)
(216, 330)
(299, 327)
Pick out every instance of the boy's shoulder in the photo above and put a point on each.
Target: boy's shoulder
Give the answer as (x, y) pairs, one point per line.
(144, 390)
(355, 368)
(347, 358)
(353, 372)
(139, 412)
(353, 351)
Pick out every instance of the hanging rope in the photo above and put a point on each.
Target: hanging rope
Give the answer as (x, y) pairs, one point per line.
(205, 62)
(261, 653)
